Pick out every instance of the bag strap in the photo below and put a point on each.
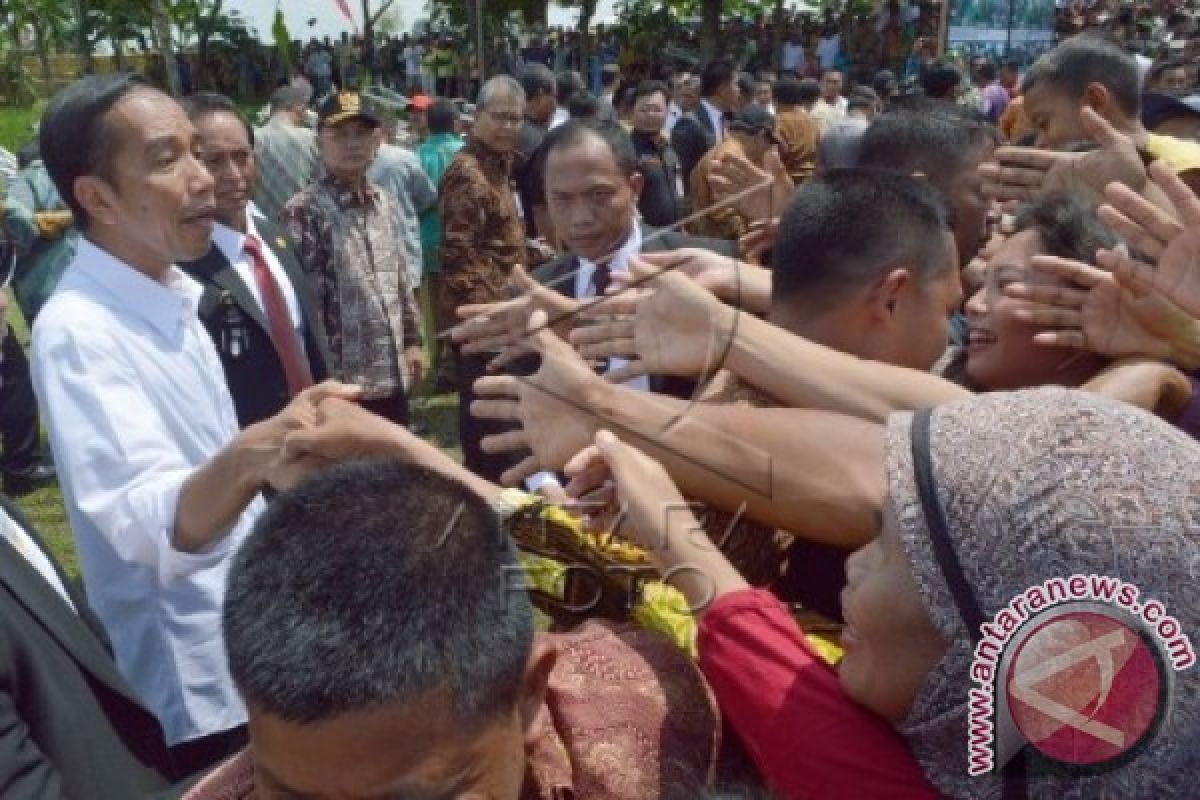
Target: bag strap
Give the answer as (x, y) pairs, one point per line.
(1014, 773)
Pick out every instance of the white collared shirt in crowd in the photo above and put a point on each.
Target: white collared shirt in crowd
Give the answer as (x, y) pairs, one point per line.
(674, 112)
(131, 389)
(585, 290)
(716, 117)
(23, 543)
(233, 246)
(561, 115)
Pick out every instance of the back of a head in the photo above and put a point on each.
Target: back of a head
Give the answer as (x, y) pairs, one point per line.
(1086, 59)
(375, 584)
(442, 116)
(941, 81)
(567, 83)
(288, 98)
(715, 75)
(788, 92)
(848, 227)
(932, 138)
(583, 105)
(73, 138)
(862, 98)
(809, 92)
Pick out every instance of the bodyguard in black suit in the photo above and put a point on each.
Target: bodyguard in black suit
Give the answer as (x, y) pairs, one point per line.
(70, 726)
(592, 185)
(697, 132)
(264, 364)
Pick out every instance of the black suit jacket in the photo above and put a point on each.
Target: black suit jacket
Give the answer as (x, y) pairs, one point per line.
(70, 726)
(239, 328)
(559, 274)
(691, 138)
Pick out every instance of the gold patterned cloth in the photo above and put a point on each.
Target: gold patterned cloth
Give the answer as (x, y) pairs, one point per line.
(627, 716)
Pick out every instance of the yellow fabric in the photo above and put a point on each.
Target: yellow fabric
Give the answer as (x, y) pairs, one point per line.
(1180, 154)
(660, 608)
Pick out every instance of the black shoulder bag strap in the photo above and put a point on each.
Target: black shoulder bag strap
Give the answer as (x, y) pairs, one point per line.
(948, 562)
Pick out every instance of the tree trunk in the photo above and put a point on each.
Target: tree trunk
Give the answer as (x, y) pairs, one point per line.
(777, 37)
(368, 34)
(42, 42)
(83, 48)
(118, 54)
(587, 9)
(710, 30)
(160, 30)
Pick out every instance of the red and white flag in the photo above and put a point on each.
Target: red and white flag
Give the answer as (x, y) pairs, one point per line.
(344, 7)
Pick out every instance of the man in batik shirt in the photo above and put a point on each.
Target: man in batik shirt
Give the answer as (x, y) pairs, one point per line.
(347, 233)
(483, 238)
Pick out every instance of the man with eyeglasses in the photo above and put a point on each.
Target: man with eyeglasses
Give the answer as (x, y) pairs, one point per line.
(483, 238)
(348, 237)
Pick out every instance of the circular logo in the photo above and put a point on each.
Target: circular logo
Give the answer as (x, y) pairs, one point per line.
(1085, 688)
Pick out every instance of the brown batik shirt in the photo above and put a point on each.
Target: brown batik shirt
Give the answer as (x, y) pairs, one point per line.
(483, 237)
(350, 246)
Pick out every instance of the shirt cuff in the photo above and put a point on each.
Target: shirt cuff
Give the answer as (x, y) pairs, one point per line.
(539, 481)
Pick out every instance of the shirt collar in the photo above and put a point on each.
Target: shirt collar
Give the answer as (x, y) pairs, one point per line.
(165, 306)
(231, 243)
(621, 258)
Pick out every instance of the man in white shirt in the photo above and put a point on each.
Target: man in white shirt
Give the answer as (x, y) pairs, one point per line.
(831, 108)
(160, 485)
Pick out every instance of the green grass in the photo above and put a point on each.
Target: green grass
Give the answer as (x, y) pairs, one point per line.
(16, 127)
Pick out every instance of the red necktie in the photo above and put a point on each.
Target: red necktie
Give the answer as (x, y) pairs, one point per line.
(279, 321)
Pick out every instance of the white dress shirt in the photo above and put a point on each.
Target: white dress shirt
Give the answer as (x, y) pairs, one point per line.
(233, 246)
(130, 386)
(674, 113)
(24, 544)
(717, 117)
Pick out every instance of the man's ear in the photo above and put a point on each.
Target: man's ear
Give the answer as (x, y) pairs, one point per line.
(888, 291)
(98, 199)
(637, 182)
(542, 658)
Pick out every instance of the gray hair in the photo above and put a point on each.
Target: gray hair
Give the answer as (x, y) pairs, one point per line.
(499, 86)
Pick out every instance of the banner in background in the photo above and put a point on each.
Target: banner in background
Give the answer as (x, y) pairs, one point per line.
(1020, 30)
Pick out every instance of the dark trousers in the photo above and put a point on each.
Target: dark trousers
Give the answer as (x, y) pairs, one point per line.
(18, 409)
(471, 430)
(200, 754)
(394, 408)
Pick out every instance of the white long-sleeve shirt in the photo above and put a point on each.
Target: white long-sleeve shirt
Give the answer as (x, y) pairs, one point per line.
(131, 389)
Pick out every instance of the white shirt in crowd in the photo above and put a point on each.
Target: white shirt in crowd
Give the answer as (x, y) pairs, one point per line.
(24, 544)
(233, 246)
(793, 57)
(828, 49)
(585, 289)
(561, 115)
(717, 117)
(674, 112)
(130, 386)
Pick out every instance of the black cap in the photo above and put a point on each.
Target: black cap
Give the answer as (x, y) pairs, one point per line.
(754, 120)
(1158, 107)
(341, 106)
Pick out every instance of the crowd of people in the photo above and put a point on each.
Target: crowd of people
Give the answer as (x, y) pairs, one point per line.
(772, 355)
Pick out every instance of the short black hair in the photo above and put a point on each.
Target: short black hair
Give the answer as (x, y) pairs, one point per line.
(538, 79)
(787, 91)
(934, 138)
(566, 84)
(746, 84)
(582, 106)
(442, 116)
(845, 228)
(371, 584)
(648, 88)
(862, 97)
(941, 80)
(201, 104)
(810, 91)
(574, 132)
(715, 75)
(987, 71)
(1085, 59)
(1067, 226)
(74, 138)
